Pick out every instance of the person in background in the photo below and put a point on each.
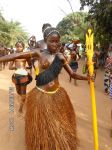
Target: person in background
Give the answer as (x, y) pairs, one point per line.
(2, 53)
(21, 78)
(95, 60)
(11, 51)
(74, 47)
(32, 43)
(62, 47)
(42, 42)
(73, 62)
(108, 65)
(110, 88)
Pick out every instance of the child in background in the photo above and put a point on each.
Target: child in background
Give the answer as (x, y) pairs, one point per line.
(73, 64)
(32, 43)
(21, 78)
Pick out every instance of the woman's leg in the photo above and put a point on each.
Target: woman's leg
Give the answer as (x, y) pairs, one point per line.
(106, 82)
(4, 65)
(75, 81)
(21, 90)
(18, 89)
(23, 97)
(0, 66)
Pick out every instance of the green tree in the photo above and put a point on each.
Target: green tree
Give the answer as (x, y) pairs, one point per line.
(4, 33)
(16, 32)
(1, 17)
(100, 16)
(73, 26)
(10, 32)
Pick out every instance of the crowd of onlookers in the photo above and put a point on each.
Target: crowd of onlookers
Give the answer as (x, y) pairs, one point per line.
(101, 59)
(108, 73)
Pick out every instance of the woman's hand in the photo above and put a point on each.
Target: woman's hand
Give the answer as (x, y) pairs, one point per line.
(91, 78)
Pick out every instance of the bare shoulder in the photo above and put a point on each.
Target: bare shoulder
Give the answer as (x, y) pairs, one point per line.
(62, 57)
(34, 53)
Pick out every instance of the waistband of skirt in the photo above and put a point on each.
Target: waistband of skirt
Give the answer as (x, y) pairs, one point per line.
(47, 92)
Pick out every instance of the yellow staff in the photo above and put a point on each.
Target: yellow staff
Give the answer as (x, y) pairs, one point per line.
(89, 50)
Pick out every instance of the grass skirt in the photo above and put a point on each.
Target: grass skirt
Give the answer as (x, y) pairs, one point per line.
(50, 122)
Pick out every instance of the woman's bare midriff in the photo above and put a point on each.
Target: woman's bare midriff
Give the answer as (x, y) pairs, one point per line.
(20, 63)
(51, 86)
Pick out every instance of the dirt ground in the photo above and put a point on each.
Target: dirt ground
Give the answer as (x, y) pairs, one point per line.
(12, 133)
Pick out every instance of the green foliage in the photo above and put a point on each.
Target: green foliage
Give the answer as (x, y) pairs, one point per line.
(73, 26)
(100, 16)
(11, 32)
(1, 17)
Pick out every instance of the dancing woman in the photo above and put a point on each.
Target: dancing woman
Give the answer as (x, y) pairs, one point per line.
(50, 121)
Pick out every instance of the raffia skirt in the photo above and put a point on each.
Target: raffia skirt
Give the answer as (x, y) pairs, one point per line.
(50, 122)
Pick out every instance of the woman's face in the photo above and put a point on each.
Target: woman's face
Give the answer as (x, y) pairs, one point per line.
(53, 43)
(19, 47)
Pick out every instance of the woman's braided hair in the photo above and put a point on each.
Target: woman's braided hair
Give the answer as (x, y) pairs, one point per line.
(45, 25)
(49, 31)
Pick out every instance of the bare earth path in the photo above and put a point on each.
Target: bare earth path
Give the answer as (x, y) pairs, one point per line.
(80, 97)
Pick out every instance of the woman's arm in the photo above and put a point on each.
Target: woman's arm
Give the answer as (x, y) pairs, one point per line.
(73, 74)
(11, 67)
(69, 70)
(22, 55)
